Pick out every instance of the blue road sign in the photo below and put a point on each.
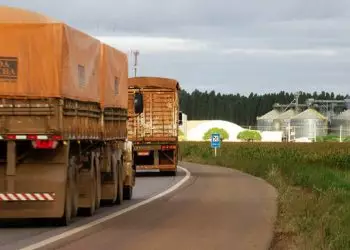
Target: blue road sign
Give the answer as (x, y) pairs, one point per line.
(215, 140)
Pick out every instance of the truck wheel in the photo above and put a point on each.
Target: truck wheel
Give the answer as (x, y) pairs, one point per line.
(120, 190)
(172, 173)
(66, 219)
(127, 192)
(98, 183)
(74, 192)
(115, 175)
(90, 211)
(92, 208)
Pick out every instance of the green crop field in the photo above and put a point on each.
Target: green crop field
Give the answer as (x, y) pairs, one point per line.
(313, 181)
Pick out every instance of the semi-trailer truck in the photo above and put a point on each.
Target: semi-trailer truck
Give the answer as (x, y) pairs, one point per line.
(154, 119)
(63, 114)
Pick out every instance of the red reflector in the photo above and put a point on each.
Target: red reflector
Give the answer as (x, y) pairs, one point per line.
(32, 137)
(44, 144)
(56, 137)
(11, 137)
(167, 147)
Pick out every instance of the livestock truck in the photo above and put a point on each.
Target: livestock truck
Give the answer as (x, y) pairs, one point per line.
(154, 119)
(63, 114)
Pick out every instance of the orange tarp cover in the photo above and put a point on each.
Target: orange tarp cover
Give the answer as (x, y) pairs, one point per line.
(42, 58)
(114, 78)
(17, 15)
(153, 82)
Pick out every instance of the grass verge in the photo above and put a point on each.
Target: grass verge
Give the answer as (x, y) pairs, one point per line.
(313, 181)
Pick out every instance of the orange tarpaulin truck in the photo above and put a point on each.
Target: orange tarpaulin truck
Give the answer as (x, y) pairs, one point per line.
(153, 123)
(63, 114)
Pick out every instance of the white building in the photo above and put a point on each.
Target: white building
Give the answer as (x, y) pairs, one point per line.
(271, 136)
(197, 128)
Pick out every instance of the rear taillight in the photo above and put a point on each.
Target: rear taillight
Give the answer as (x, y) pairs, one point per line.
(143, 153)
(44, 144)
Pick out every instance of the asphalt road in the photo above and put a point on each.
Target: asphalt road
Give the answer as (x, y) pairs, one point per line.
(216, 208)
(20, 234)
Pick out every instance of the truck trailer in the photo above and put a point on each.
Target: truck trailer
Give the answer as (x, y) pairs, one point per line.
(153, 123)
(63, 120)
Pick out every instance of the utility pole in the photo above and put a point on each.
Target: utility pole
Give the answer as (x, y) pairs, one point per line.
(135, 54)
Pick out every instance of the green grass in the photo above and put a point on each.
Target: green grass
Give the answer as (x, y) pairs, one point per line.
(332, 138)
(313, 181)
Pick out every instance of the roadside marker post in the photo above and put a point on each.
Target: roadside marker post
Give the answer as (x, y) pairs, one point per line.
(215, 142)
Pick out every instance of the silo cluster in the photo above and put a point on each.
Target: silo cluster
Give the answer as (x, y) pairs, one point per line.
(309, 124)
(303, 121)
(265, 122)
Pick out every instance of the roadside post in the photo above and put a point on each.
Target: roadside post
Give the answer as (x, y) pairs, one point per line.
(215, 142)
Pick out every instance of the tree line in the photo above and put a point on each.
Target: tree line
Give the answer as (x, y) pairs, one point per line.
(237, 108)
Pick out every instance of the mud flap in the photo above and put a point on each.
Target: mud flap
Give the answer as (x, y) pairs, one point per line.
(36, 189)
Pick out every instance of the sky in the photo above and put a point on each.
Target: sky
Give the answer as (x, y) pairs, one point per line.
(230, 46)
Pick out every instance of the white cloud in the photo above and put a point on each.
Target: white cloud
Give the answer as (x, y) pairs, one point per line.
(153, 44)
(281, 52)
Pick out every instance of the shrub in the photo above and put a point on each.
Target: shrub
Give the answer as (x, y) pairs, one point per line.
(223, 133)
(249, 135)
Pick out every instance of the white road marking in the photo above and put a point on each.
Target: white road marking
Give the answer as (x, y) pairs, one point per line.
(108, 217)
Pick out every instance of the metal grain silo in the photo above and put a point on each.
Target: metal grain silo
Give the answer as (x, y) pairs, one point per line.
(281, 122)
(265, 122)
(341, 122)
(309, 124)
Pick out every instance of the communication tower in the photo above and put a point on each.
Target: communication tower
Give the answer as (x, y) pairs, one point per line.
(135, 54)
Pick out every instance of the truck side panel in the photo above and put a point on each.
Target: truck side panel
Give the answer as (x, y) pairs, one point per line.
(69, 118)
(114, 86)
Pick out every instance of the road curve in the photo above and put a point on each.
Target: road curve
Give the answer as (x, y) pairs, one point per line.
(217, 208)
(24, 233)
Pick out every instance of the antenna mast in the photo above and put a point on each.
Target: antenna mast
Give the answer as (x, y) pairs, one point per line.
(135, 54)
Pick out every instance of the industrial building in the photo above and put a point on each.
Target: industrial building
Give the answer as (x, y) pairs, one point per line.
(265, 122)
(306, 122)
(309, 124)
(281, 122)
(341, 124)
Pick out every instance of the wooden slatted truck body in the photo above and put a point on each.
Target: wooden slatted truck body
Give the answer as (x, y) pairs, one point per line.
(154, 131)
(63, 114)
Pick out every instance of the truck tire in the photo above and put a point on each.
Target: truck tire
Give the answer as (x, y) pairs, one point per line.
(66, 219)
(98, 183)
(74, 191)
(172, 173)
(128, 192)
(92, 208)
(90, 211)
(114, 176)
(120, 190)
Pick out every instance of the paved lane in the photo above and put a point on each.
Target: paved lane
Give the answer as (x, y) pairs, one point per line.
(25, 233)
(217, 208)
